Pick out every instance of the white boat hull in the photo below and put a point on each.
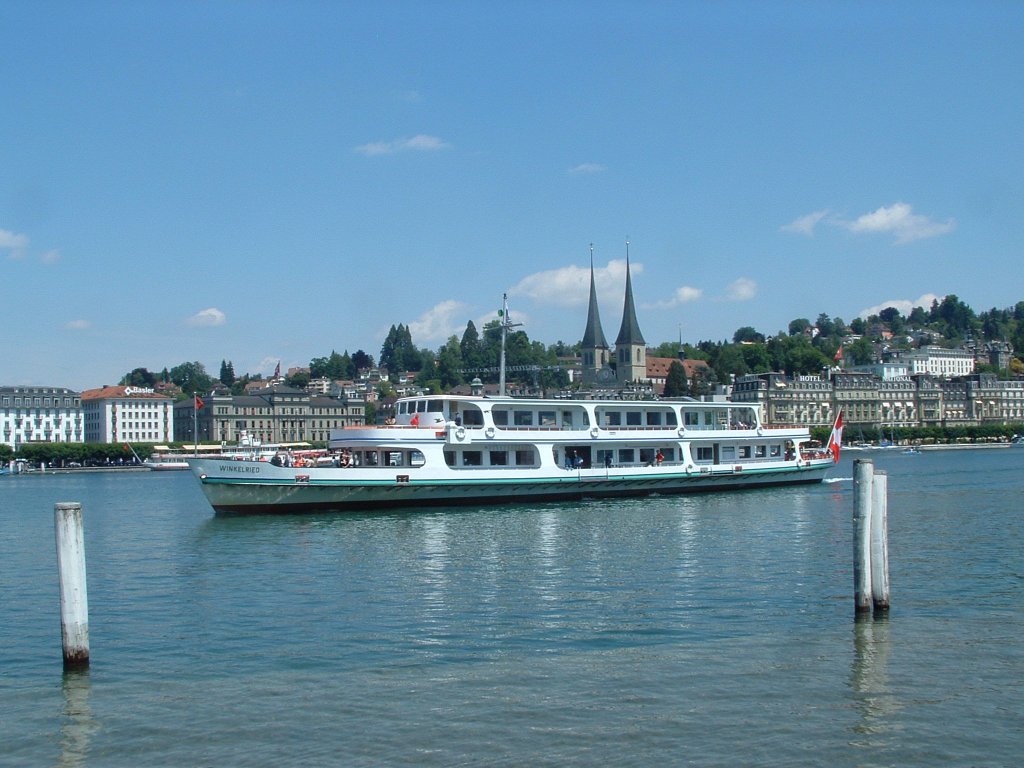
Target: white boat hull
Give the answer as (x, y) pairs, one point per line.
(258, 487)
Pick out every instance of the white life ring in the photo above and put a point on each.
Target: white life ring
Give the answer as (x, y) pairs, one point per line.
(489, 432)
(594, 433)
(682, 432)
(460, 433)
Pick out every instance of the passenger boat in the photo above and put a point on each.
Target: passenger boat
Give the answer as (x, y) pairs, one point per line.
(456, 449)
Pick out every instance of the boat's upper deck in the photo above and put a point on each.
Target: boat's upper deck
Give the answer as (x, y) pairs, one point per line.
(510, 413)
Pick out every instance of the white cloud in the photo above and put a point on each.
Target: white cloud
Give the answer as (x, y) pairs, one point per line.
(741, 289)
(905, 306)
(420, 143)
(207, 318)
(50, 257)
(570, 286)
(683, 295)
(438, 323)
(898, 219)
(587, 168)
(14, 243)
(805, 224)
(78, 325)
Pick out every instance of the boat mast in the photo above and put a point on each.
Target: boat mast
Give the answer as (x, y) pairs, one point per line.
(506, 323)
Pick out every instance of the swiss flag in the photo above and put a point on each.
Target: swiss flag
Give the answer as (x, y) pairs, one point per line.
(839, 354)
(199, 402)
(835, 440)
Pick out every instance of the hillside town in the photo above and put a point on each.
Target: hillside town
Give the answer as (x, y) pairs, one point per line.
(927, 385)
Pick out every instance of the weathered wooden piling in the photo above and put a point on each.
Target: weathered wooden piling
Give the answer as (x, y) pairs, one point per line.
(863, 481)
(74, 599)
(880, 542)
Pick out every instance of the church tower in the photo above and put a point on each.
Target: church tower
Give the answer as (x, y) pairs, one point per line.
(594, 348)
(630, 347)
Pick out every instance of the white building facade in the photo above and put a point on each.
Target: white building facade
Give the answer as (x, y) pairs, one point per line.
(938, 361)
(40, 415)
(127, 415)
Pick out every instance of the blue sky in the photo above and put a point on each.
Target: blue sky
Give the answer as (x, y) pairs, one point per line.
(266, 181)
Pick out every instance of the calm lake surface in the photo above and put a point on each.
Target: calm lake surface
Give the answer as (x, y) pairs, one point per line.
(706, 631)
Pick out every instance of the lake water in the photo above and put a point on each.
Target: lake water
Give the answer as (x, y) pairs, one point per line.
(703, 631)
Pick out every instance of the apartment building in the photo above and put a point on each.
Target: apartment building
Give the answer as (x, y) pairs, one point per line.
(127, 415)
(40, 414)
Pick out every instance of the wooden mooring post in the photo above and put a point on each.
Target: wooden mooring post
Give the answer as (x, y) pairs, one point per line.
(870, 539)
(74, 599)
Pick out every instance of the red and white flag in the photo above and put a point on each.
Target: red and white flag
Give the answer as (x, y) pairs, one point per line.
(839, 354)
(835, 440)
(199, 402)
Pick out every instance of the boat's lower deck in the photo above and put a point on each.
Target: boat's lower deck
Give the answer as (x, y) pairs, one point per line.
(313, 490)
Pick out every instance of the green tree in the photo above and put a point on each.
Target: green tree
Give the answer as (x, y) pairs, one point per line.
(756, 358)
(450, 364)
(227, 373)
(798, 326)
(861, 352)
(675, 380)
(825, 325)
(469, 347)
(398, 352)
(139, 377)
(361, 360)
(730, 363)
(333, 367)
(298, 380)
(746, 333)
(191, 377)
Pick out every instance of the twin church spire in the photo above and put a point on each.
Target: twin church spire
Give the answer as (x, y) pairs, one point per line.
(630, 347)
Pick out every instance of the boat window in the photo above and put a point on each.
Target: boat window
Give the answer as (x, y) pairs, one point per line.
(473, 417)
(523, 418)
(498, 458)
(472, 458)
(546, 418)
(728, 453)
(760, 451)
(669, 454)
(691, 418)
(500, 418)
(653, 418)
(417, 459)
(395, 459)
(566, 419)
(670, 418)
(743, 418)
(775, 451)
(449, 458)
(435, 406)
(605, 458)
(744, 452)
(525, 457)
(627, 456)
(612, 419)
(705, 453)
(421, 406)
(633, 418)
(370, 458)
(647, 456)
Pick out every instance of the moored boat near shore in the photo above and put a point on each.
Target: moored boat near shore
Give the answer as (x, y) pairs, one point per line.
(448, 449)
